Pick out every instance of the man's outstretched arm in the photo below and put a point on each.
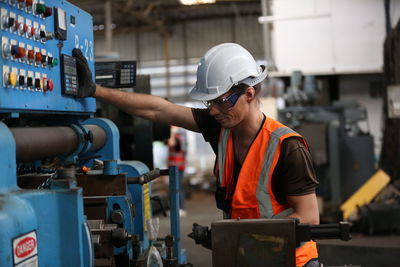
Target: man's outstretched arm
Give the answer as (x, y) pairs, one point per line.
(149, 107)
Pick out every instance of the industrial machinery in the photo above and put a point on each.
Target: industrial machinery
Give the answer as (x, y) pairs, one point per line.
(257, 242)
(66, 197)
(343, 154)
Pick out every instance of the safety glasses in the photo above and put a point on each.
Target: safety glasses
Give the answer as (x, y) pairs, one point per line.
(225, 103)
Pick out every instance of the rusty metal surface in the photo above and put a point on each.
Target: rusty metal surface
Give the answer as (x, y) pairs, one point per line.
(99, 137)
(254, 242)
(95, 208)
(31, 181)
(36, 143)
(102, 185)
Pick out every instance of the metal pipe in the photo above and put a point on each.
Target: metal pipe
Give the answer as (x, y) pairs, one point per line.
(108, 25)
(36, 143)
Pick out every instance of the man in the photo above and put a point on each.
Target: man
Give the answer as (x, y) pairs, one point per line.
(263, 168)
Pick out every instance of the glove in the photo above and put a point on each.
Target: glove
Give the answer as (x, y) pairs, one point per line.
(201, 235)
(86, 85)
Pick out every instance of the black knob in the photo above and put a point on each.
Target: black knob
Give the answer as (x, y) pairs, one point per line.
(44, 59)
(29, 81)
(10, 23)
(49, 60)
(21, 80)
(37, 83)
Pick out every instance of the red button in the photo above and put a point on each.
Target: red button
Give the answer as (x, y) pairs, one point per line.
(21, 52)
(33, 31)
(16, 25)
(31, 55)
(25, 29)
(48, 12)
(50, 85)
(21, 1)
(29, 2)
(38, 58)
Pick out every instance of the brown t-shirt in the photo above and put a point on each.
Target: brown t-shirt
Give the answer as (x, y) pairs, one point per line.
(294, 174)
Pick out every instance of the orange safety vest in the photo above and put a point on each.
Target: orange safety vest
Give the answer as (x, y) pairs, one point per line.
(253, 196)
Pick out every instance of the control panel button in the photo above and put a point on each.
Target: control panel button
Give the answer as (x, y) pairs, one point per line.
(6, 50)
(29, 82)
(15, 26)
(31, 31)
(22, 28)
(14, 50)
(21, 80)
(55, 62)
(38, 58)
(49, 61)
(50, 85)
(44, 60)
(21, 53)
(40, 8)
(13, 79)
(48, 12)
(31, 56)
(44, 84)
(6, 79)
(37, 83)
(21, 3)
(7, 21)
(37, 34)
(42, 34)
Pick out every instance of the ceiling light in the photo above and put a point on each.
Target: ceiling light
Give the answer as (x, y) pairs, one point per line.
(196, 2)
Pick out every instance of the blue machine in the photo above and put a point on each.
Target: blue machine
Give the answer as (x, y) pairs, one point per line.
(54, 211)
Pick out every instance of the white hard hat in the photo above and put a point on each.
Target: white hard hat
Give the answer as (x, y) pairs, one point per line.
(224, 66)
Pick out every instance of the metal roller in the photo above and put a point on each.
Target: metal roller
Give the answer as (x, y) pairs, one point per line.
(36, 143)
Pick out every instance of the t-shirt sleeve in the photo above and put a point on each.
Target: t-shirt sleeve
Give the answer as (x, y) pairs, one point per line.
(294, 175)
(208, 126)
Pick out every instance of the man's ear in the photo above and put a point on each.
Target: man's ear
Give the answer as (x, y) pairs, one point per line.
(250, 93)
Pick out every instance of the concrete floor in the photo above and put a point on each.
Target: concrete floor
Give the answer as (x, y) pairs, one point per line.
(381, 251)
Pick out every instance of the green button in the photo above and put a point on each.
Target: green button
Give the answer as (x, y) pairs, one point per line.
(40, 8)
(55, 62)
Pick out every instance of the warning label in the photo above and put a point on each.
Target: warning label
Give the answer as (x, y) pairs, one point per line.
(25, 250)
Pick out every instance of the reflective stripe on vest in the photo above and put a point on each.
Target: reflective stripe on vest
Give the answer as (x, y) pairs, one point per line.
(263, 195)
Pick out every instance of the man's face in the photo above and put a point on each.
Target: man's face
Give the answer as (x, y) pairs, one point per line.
(229, 109)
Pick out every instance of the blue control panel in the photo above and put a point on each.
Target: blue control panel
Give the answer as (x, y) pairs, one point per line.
(38, 72)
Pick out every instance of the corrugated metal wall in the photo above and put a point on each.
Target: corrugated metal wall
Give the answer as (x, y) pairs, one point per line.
(192, 39)
(200, 36)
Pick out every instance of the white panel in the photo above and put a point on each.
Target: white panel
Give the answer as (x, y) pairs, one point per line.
(358, 34)
(333, 36)
(303, 45)
(395, 12)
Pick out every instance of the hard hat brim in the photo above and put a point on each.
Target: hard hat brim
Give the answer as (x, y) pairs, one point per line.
(198, 94)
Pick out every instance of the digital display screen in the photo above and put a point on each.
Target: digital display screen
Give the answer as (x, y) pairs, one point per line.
(69, 70)
(61, 19)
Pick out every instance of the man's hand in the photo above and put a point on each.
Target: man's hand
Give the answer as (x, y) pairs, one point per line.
(86, 85)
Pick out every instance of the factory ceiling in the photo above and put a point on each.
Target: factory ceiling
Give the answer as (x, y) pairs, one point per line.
(159, 15)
